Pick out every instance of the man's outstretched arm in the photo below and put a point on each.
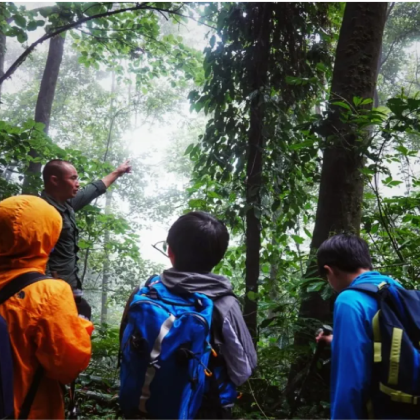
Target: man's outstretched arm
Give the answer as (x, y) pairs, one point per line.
(97, 188)
(124, 168)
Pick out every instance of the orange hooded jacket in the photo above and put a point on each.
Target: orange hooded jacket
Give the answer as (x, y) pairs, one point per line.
(43, 321)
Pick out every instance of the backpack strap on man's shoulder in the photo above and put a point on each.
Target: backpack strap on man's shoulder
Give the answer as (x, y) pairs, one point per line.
(11, 288)
(124, 318)
(19, 283)
(149, 280)
(369, 288)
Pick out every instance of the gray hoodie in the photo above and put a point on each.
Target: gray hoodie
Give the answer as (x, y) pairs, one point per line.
(234, 339)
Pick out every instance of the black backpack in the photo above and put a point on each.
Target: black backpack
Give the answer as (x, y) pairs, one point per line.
(395, 389)
(6, 359)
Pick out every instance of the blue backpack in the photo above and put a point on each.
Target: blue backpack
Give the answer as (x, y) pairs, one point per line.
(395, 389)
(6, 359)
(165, 351)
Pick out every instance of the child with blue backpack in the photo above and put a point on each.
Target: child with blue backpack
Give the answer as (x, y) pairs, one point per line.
(376, 341)
(185, 346)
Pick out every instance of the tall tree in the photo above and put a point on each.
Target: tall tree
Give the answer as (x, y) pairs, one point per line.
(355, 73)
(341, 186)
(108, 203)
(44, 105)
(106, 265)
(2, 46)
(247, 150)
(259, 68)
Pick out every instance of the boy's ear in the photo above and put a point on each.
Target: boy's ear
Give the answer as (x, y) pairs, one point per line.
(329, 270)
(171, 256)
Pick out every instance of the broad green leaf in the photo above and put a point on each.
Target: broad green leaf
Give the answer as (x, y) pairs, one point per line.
(316, 287)
(357, 100)
(342, 105)
(22, 37)
(366, 101)
(374, 229)
(20, 21)
(32, 26)
(321, 67)
(189, 149)
(402, 149)
(298, 239)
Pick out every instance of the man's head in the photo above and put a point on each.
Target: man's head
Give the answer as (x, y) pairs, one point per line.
(342, 258)
(60, 179)
(197, 242)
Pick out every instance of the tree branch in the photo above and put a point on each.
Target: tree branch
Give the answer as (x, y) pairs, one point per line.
(391, 6)
(24, 55)
(384, 221)
(389, 51)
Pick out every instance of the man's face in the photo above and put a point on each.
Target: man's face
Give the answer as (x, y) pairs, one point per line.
(67, 184)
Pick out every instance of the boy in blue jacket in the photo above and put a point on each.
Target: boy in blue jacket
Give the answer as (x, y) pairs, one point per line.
(345, 260)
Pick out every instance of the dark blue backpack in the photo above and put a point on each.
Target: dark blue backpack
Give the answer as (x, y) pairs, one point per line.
(395, 389)
(6, 359)
(165, 351)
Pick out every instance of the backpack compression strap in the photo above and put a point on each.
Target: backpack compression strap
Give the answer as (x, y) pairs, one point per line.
(13, 287)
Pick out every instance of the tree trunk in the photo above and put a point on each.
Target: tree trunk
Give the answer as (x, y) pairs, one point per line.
(341, 187)
(108, 201)
(274, 286)
(44, 106)
(255, 161)
(106, 266)
(2, 46)
(355, 74)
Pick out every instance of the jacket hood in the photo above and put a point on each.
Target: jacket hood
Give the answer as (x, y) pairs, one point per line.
(209, 284)
(29, 228)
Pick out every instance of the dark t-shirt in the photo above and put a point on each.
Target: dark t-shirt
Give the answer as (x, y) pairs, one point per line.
(63, 259)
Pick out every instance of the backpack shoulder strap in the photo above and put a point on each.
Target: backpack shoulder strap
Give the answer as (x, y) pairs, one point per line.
(19, 283)
(368, 288)
(30, 396)
(124, 318)
(13, 287)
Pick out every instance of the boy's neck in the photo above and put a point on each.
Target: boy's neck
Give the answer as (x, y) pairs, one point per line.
(348, 278)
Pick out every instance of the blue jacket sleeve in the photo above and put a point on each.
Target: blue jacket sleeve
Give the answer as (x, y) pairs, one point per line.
(352, 355)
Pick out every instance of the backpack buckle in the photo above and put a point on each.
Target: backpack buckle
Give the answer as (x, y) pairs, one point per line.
(398, 396)
(153, 294)
(154, 363)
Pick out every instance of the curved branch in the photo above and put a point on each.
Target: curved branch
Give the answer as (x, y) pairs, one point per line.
(24, 55)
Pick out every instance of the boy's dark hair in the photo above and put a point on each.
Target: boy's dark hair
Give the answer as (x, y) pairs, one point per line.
(54, 167)
(347, 252)
(199, 242)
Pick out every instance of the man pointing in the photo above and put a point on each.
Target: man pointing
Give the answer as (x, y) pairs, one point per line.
(61, 183)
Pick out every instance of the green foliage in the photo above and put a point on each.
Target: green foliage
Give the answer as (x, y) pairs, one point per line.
(152, 68)
(97, 387)
(290, 169)
(399, 61)
(110, 33)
